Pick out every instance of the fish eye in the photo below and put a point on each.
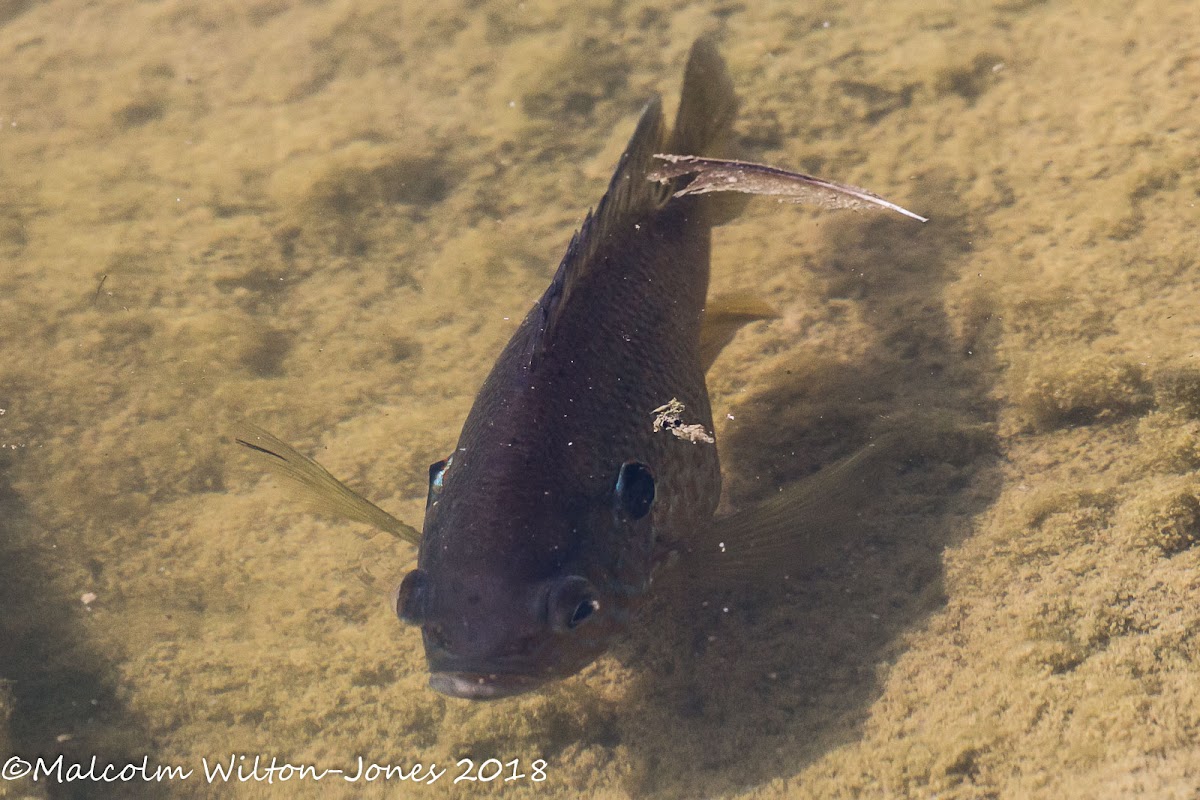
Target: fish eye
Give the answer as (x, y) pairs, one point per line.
(635, 489)
(582, 611)
(408, 600)
(570, 602)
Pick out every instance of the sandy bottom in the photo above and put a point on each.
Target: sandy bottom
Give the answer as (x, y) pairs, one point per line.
(328, 217)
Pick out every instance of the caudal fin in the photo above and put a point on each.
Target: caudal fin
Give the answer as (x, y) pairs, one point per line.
(707, 104)
(704, 122)
(706, 110)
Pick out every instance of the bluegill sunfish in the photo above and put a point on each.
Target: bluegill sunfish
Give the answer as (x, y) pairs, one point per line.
(588, 457)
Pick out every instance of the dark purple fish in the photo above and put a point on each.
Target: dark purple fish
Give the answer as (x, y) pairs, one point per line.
(544, 525)
(588, 456)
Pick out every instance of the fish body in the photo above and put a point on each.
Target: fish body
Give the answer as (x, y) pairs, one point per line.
(543, 527)
(588, 456)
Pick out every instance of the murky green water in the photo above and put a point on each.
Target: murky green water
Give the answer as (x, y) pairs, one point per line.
(329, 217)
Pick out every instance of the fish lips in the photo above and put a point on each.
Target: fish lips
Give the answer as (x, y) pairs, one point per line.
(492, 678)
(481, 678)
(483, 686)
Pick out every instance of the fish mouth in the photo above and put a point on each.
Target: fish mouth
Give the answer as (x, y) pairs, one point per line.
(482, 686)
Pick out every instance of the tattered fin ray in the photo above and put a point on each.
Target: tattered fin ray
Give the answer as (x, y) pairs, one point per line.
(724, 316)
(795, 529)
(315, 486)
(716, 175)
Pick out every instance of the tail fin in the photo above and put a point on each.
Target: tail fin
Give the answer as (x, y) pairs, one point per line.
(707, 105)
(702, 127)
(704, 122)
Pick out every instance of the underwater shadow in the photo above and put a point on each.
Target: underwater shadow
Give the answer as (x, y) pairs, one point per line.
(737, 688)
(60, 697)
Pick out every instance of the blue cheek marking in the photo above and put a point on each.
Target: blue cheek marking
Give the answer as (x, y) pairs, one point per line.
(441, 475)
(437, 476)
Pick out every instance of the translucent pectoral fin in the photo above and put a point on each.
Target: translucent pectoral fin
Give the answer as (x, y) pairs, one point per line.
(797, 528)
(313, 484)
(720, 175)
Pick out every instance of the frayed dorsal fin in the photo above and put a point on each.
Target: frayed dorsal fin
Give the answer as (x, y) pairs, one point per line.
(707, 107)
(630, 197)
(744, 177)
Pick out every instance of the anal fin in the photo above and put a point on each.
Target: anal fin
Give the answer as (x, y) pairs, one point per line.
(724, 316)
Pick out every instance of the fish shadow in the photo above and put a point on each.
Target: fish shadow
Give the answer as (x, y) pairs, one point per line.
(57, 696)
(736, 688)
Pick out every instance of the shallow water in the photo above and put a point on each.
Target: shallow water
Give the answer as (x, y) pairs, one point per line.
(328, 218)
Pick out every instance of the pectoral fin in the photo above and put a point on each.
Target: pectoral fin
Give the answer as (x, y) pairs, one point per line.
(314, 485)
(795, 529)
(724, 316)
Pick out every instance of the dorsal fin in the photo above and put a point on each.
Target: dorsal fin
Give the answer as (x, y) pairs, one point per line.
(630, 196)
(707, 107)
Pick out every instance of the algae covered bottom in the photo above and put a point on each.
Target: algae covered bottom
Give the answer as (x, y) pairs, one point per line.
(331, 217)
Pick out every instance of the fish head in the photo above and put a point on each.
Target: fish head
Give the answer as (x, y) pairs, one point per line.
(513, 593)
(500, 638)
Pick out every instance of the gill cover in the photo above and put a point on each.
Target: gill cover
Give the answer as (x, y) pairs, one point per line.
(409, 597)
(634, 492)
(572, 600)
